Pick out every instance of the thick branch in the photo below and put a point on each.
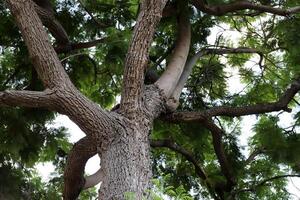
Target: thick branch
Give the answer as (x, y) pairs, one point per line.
(138, 53)
(281, 104)
(41, 52)
(223, 9)
(220, 152)
(168, 80)
(94, 179)
(74, 180)
(47, 15)
(175, 147)
(30, 99)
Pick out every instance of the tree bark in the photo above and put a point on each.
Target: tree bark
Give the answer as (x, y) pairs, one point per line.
(126, 163)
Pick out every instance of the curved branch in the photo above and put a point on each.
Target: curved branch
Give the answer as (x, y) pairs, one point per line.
(220, 152)
(42, 54)
(223, 9)
(281, 104)
(25, 98)
(74, 180)
(252, 156)
(137, 56)
(175, 147)
(94, 179)
(168, 80)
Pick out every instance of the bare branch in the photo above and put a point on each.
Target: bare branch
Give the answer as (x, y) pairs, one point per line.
(175, 147)
(281, 104)
(168, 80)
(41, 52)
(252, 156)
(220, 152)
(74, 180)
(223, 9)
(76, 46)
(30, 99)
(138, 53)
(94, 179)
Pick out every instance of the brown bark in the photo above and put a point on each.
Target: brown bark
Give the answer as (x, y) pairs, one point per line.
(74, 180)
(223, 9)
(47, 15)
(137, 56)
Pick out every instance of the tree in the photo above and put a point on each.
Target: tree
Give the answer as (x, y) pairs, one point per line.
(172, 85)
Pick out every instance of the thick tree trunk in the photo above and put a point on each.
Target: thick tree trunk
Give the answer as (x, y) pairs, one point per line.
(126, 165)
(126, 162)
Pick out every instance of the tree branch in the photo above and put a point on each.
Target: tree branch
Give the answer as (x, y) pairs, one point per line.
(223, 9)
(74, 180)
(99, 24)
(76, 46)
(175, 147)
(41, 52)
(137, 56)
(220, 152)
(192, 61)
(252, 156)
(168, 80)
(281, 104)
(47, 15)
(252, 188)
(30, 99)
(94, 179)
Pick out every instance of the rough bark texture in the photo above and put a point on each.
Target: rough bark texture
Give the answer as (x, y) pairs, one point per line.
(130, 171)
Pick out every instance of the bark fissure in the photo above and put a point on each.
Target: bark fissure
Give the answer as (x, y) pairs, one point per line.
(137, 56)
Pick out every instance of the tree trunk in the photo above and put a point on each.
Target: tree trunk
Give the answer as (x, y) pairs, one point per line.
(127, 166)
(126, 162)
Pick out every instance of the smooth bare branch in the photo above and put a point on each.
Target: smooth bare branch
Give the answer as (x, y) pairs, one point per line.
(94, 179)
(168, 80)
(223, 9)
